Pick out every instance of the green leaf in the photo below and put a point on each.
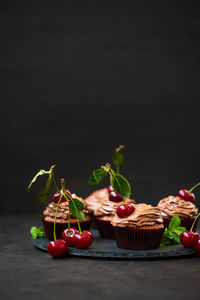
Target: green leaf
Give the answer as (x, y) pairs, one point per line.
(44, 194)
(175, 237)
(81, 216)
(76, 211)
(37, 232)
(78, 203)
(172, 234)
(40, 173)
(175, 222)
(120, 185)
(118, 157)
(97, 176)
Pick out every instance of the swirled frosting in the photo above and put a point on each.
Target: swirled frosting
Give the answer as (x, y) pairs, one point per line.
(144, 215)
(108, 208)
(94, 200)
(175, 206)
(63, 210)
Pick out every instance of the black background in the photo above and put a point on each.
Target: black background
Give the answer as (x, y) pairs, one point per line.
(78, 78)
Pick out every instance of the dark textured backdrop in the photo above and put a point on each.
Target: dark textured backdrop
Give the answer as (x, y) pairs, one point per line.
(78, 78)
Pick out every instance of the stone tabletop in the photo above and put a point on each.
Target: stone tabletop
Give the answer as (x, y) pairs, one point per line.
(28, 273)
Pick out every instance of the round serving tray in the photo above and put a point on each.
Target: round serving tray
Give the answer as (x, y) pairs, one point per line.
(104, 248)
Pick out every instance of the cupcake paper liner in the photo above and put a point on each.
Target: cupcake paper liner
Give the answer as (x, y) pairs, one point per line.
(60, 227)
(105, 228)
(138, 239)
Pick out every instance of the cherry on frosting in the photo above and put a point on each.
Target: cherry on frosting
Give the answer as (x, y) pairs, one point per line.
(83, 240)
(57, 248)
(68, 235)
(110, 189)
(115, 197)
(186, 195)
(57, 195)
(189, 238)
(125, 210)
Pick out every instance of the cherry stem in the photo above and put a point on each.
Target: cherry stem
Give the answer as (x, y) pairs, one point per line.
(69, 198)
(54, 225)
(63, 190)
(118, 150)
(194, 222)
(107, 168)
(79, 227)
(194, 187)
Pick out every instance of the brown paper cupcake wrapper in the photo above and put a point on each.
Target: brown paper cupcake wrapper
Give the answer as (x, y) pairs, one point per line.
(138, 239)
(60, 227)
(106, 229)
(93, 221)
(184, 222)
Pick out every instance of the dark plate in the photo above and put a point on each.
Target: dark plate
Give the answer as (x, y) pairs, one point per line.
(108, 249)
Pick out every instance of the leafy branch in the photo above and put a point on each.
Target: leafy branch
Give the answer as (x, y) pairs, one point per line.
(118, 182)
(44, 194)
(173, 232)
(37, 232)
(118, 158)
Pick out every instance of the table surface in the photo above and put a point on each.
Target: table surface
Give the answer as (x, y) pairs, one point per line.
(28, 273)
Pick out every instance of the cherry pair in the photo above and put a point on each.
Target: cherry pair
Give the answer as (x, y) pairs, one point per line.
(125, 209)
(70, 238)
(76, 239)
(191, 239)
(113, 195)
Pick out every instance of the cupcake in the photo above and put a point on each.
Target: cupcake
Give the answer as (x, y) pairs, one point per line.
(93, 201)
(175, 206)
(104, 215)
(62, 218)
(141, 230)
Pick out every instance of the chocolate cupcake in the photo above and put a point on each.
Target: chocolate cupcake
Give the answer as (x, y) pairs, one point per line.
(104, 215)
(62, 218)
(93, 201)
(174, 206)
(141, 230)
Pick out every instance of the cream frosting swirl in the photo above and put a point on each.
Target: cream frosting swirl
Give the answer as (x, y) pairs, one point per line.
(144, 215)
(95, 199)
(108, 208)
(175, 206)
(63, 210)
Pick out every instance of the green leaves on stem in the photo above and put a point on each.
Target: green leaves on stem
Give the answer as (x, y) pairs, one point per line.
(44, 194)
(118, 182)
(37, 232)
(75, 207)
(173, 232)
(118, 158)
(97, 176)
(120, 185)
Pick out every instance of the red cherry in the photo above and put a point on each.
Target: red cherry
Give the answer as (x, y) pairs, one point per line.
(83, 240)
(115, 197)
(189, 238)
(186, 195)
(57, 195)
(57, 248)
(69, 238)
(125, 210)
(197, 247)
(110, 189)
